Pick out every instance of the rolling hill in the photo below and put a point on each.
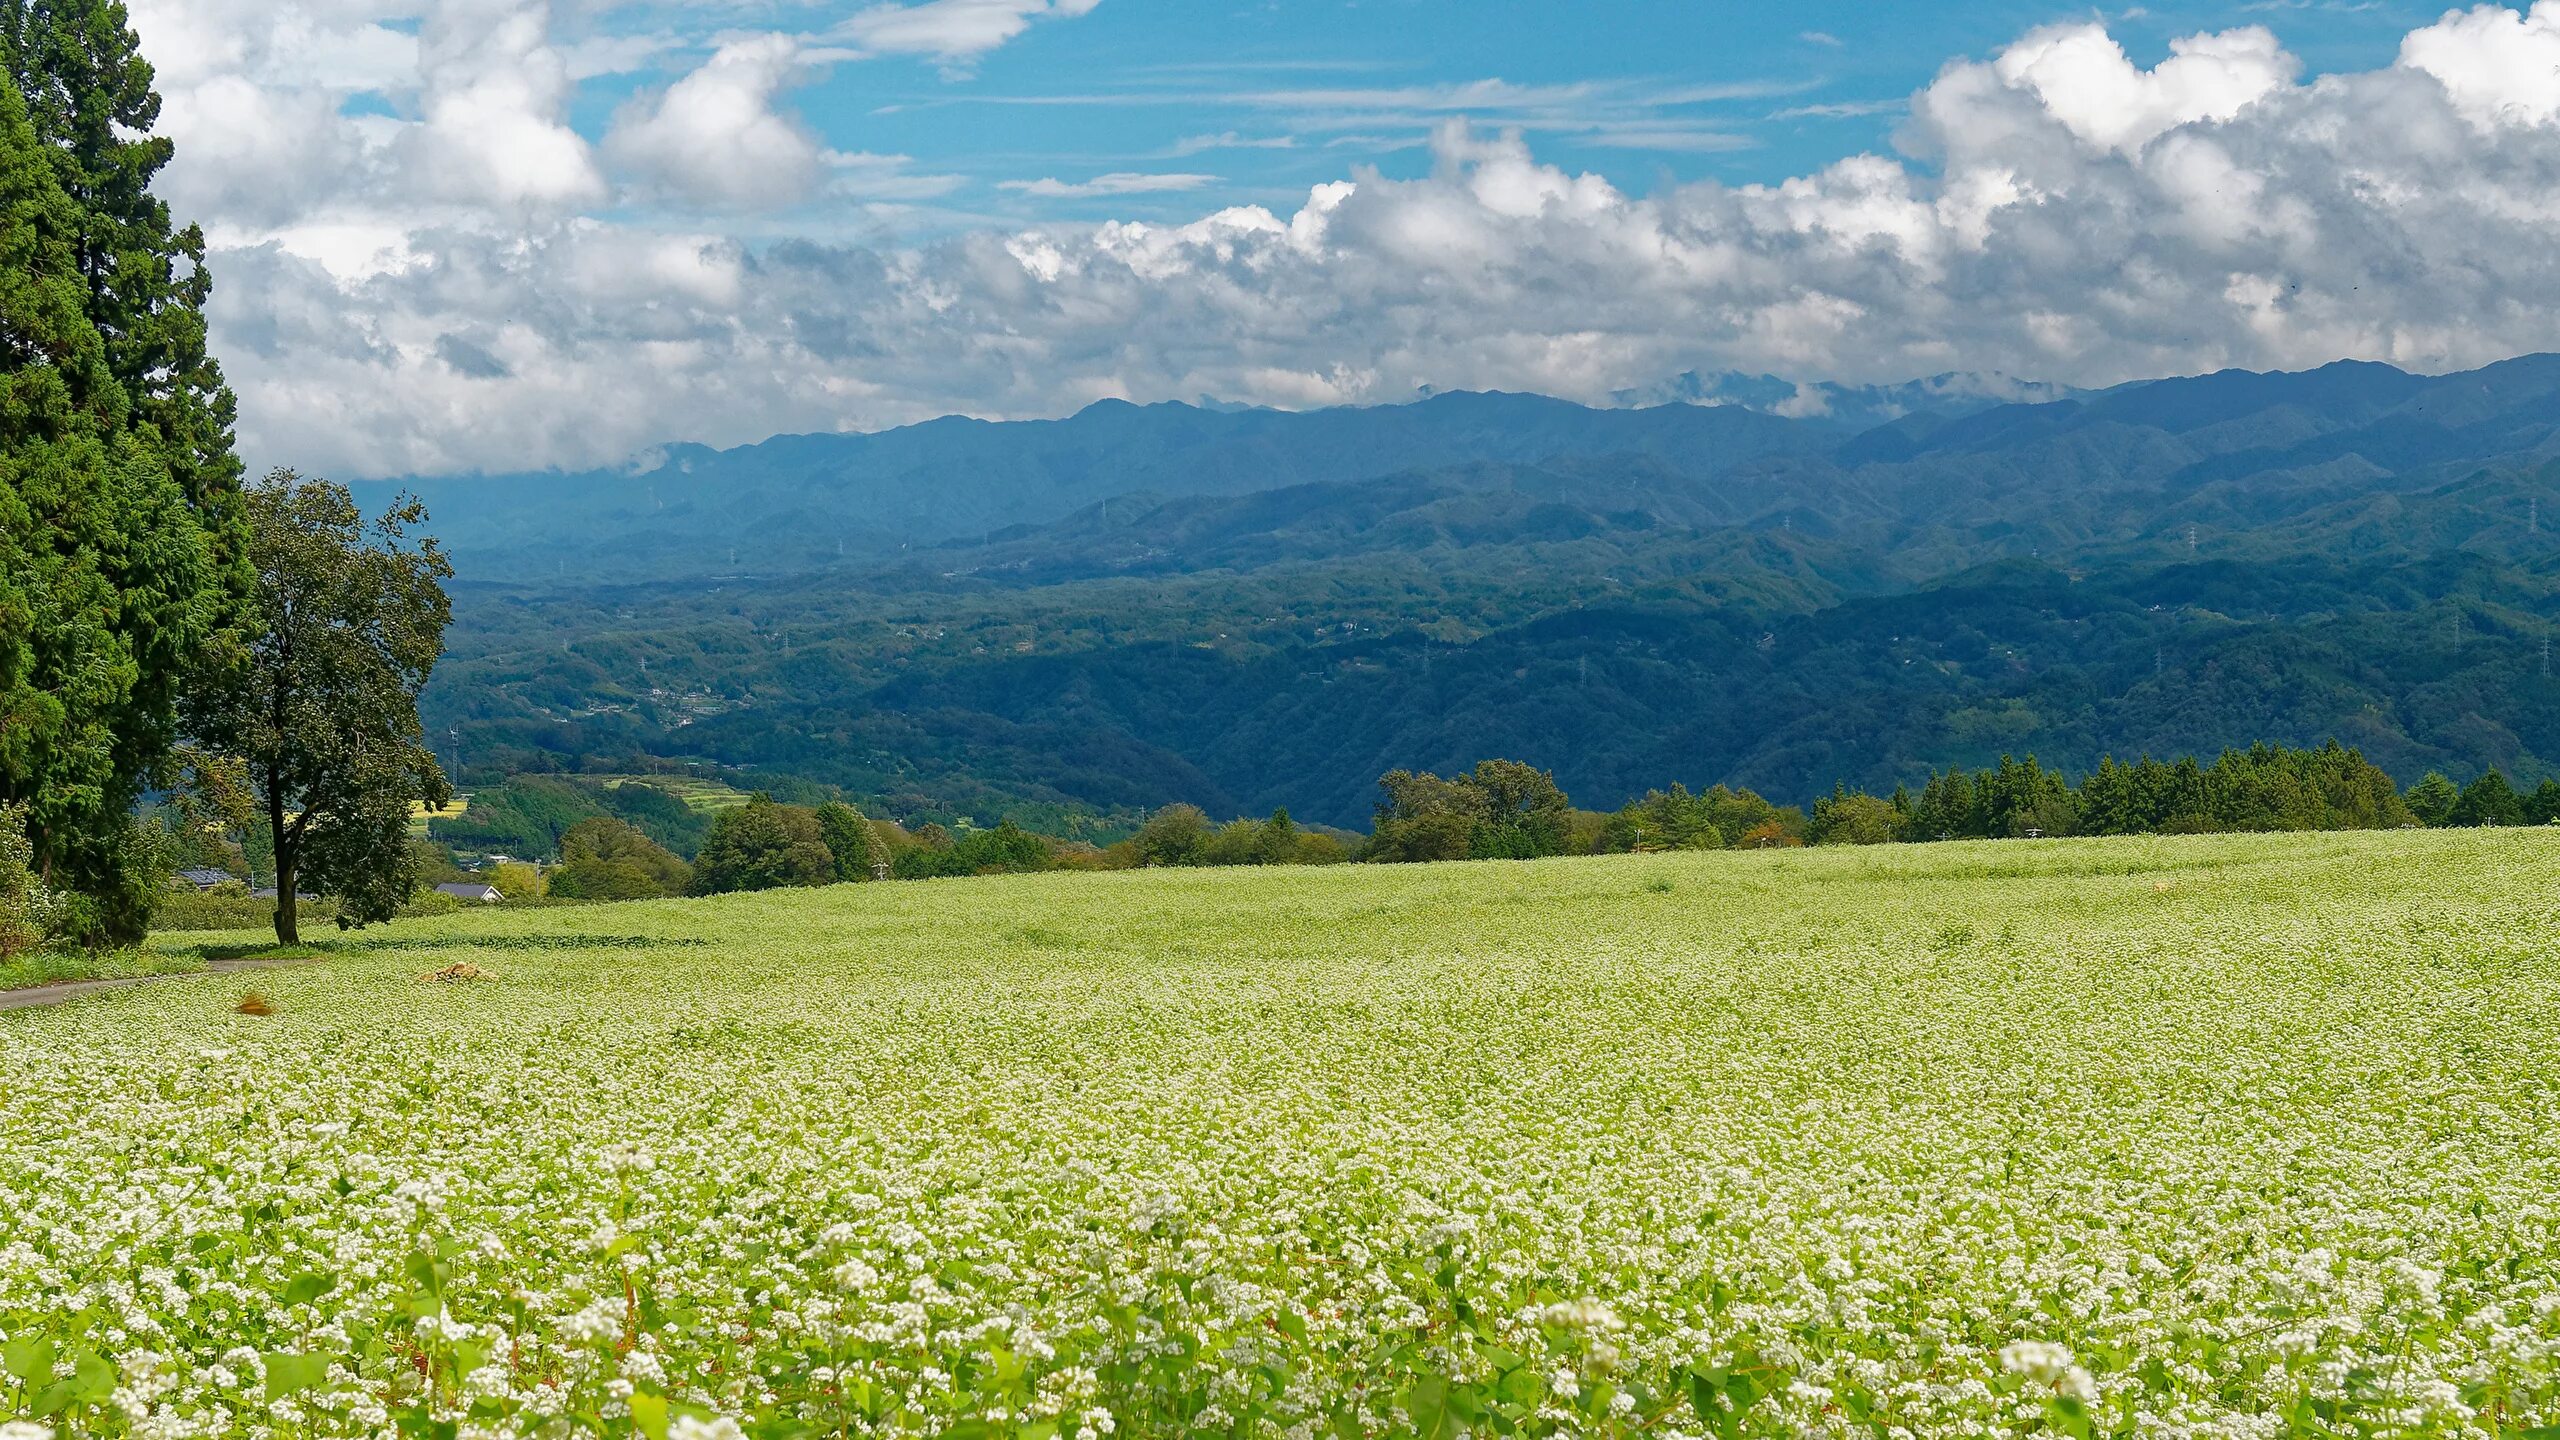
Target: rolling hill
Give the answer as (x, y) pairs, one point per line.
(1074, 621)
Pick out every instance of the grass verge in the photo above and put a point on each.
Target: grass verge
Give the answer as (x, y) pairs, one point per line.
(55, 967)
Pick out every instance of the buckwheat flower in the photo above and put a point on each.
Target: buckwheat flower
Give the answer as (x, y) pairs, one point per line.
(1586, 1315)
(2039, 1360)
(2078, 1384)
(720, 1428)
(627, 1159)
(24, 1430)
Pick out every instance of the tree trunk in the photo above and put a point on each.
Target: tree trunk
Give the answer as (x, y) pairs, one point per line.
(288, 926)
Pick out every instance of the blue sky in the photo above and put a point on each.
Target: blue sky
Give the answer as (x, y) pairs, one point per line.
(1270, 99)
(507, 234)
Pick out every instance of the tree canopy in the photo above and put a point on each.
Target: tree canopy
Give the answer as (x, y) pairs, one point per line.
(90, 98)
(603, 858)
(762, 845)
(1501, 810)
(109, 585)
(348, 621)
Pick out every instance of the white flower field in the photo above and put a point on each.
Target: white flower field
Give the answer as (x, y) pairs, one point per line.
(2246, 1137)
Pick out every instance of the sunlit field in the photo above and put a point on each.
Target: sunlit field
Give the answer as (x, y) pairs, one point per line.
(2244, 1136)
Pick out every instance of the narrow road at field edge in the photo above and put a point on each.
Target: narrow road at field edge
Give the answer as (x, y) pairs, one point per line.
(36, 995)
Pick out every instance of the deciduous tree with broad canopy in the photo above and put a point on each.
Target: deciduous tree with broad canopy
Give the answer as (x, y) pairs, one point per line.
(348, 621)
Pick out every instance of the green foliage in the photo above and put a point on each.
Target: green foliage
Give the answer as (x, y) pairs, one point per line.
(1180, 835)
(2011, 800)
(516, 880)
(348, 622)
(2542, 807)
(531, 816)
(1278, 840)
(2265, 787)
(2489, 800)
(1501, 810)
(2433, 800)
(109, 585)
(603, 858)
(860, 853)
(1674, 819)
(89, 94)
(1008, 849)
(1842, 818)
(762, 845)
(1175, 835)
(30, 912)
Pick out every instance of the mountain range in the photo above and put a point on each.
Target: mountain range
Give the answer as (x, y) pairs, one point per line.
(1073, 621)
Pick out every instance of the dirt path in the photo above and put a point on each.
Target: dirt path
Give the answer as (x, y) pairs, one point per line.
(36, 995)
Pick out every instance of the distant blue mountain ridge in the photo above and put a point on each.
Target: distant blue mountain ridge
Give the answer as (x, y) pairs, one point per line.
(1728, 447)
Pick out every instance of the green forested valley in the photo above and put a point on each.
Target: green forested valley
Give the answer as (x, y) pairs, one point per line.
(2166, 569)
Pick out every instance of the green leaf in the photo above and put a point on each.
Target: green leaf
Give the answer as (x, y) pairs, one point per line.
(1702, 1398)
(426, 1274)
(93, 1379)
(291, 1374)
(303, 1289)
(29, 1357)
(1426, 1403)
(417, 1424)
(649, 1414)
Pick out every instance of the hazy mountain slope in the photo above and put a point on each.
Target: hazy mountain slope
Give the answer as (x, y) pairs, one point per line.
(1706, 595)
(807, 500)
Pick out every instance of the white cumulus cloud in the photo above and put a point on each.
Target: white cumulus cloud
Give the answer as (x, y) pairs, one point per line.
(2500, 66)
(494, 94)
(715, 136)
(447, 285)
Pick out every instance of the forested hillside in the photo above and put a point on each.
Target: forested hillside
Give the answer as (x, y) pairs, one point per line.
(1100, 616)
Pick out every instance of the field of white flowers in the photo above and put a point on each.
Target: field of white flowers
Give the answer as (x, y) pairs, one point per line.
(2252, 1136)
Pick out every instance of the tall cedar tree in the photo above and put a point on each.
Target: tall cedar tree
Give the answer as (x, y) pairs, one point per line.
(346, 623)
(107, 587)
(88, 92)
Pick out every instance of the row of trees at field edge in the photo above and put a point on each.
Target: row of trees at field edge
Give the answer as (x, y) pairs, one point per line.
(1503, 809)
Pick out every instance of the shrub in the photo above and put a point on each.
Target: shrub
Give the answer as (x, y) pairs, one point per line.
(30, 913)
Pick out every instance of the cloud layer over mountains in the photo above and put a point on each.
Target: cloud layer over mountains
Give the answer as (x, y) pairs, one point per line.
(461, 279)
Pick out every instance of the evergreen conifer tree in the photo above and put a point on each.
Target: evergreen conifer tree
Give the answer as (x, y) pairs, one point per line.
(108, 589)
